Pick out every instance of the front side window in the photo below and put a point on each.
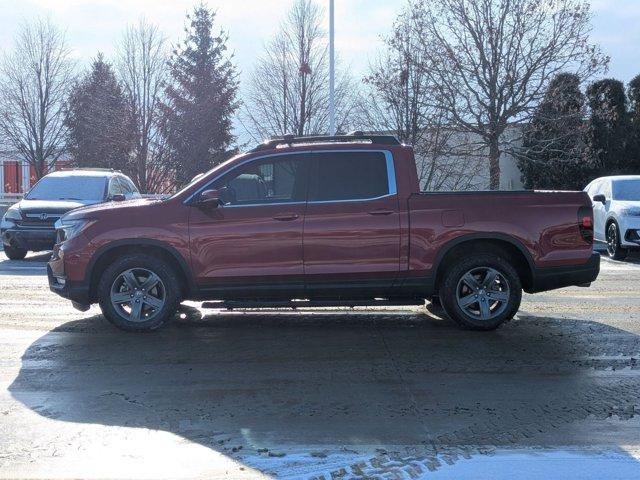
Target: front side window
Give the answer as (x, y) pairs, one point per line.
(279, 179)
(114, 187)
(339, 176)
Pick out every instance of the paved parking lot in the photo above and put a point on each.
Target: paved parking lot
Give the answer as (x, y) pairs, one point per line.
(333, 394)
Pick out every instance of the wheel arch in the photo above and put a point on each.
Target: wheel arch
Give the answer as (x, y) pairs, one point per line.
(610, 219)
(159, 249)
(514, 250)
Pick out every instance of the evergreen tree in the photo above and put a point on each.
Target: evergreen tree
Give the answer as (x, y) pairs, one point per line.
(607, 131)
(200, 98)
(633, 146)
(99, 121)
(552, 154)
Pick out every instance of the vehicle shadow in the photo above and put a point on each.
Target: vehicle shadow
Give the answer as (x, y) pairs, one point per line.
(409, 387)
(632, 257)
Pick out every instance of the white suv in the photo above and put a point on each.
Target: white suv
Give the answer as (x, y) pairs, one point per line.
(616, 213)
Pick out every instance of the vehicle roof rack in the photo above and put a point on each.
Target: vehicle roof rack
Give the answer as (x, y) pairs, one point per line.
(291, 140)
(89, 169)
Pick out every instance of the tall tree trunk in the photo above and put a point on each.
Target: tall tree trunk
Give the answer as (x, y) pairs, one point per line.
(142, 171)
(494, 162)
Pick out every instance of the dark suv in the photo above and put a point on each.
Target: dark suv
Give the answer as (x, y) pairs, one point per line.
(29, 225)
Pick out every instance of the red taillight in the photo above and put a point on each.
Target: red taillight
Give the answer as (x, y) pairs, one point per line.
(585, 223)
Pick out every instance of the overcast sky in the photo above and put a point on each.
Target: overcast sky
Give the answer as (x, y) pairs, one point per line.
(97, 25)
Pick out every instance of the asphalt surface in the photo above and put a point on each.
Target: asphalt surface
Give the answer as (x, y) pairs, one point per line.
(330, 394)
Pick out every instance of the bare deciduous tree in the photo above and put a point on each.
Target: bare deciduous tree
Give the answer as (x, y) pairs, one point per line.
(288, 92)
(34, 82)
(142, 70)
(491, 60)
(399, 99)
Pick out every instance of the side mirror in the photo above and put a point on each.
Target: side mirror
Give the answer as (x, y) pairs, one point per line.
(118, 197)
(600, 198)
(210, 198)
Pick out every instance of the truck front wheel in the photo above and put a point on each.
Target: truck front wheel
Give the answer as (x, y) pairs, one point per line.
(481, 292)
(139, 292)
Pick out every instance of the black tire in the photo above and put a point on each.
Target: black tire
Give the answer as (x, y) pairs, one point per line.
(435, 301)
(499, 311)
(14, 253)
(614, 249)
(168, 283)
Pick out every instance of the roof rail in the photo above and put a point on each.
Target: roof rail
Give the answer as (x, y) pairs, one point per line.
(350, 137)
(89, 169)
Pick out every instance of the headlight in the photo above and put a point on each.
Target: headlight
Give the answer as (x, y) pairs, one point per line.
(68, 229)
(630, 212)
(10, 217)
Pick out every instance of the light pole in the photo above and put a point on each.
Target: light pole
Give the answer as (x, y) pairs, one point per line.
(332, 101)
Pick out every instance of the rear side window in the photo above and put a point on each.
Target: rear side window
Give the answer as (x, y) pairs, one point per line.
(348, 176)
(128, 188)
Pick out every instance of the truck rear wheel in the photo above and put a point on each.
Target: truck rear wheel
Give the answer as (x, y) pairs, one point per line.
(481, 292)
(139, 293)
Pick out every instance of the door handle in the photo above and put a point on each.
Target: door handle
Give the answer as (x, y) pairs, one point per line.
(286, 217)
(380, 212)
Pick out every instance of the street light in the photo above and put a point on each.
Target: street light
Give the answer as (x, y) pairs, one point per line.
(332, 104)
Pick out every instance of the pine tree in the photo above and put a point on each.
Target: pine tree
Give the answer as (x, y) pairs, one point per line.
(552, 154)
(99, 121)
(607, 132)
(633, 146)
(201, 98)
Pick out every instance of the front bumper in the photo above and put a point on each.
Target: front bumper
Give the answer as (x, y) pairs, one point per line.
(566, 276)
(629, 230)
(29, 239)
(77, 292)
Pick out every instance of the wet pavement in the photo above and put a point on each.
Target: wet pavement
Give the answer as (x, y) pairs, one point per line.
(324, 394)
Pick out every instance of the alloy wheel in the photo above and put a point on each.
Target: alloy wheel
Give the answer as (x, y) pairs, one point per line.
(138, 294)
(483, 293)
(612, 239)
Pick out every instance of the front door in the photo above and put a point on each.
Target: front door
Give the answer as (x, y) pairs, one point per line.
(352, 224)
(600, 210)
(251, 246)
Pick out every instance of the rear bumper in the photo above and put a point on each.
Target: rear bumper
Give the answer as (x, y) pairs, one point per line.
(566, 276)
(31, 239)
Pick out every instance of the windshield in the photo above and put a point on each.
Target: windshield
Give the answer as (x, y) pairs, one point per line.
(83, 188)
(628, 190)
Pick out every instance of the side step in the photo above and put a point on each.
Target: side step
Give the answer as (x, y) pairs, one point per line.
(373, 302)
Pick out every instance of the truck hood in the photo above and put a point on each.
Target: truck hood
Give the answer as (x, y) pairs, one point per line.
(50, 206)
(95, 211)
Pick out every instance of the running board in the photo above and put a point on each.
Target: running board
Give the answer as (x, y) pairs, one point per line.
(241, 304)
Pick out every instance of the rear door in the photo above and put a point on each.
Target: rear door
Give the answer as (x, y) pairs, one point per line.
(352, 224)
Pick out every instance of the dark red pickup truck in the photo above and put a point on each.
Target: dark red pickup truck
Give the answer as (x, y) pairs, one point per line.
(323, 221)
